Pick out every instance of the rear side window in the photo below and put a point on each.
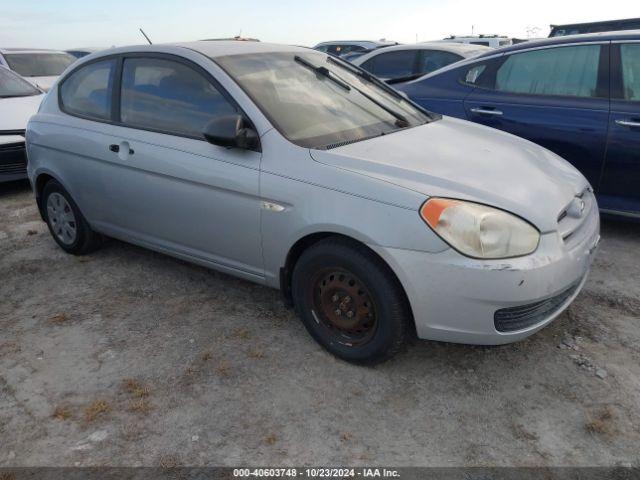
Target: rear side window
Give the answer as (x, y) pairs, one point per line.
(472, 75)
(630, 58)
(168, 96)
(567, 71)
(397, 64)
(431, 60)
(87, 91)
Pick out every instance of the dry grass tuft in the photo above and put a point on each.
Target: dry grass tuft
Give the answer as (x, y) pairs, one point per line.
(346, 436)
(241, 333)
(96, 409)
(256, 353)
(135, 388)
(170, 461)
(61, 413)
(271, 439)
(224, 369)
(7, 476)
(142, 406)
(601, 422)
(206, 355)
(60, 318)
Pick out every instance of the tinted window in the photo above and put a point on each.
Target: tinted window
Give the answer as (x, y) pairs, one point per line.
(87, 91)
(431, 60)
(11, 85)
(340, 50)
(486, 44)
(571, 71)
(169, 96)
(630, 56)
(397, 64)
(39, 64)
(473, 74)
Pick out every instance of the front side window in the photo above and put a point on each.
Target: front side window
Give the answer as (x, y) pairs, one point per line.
(169, 96)
(87, 91)
(11, 85)
(317, 103)
(432, 60)
(401, 63)
(568, 71)
(630, 58)
(39, 64)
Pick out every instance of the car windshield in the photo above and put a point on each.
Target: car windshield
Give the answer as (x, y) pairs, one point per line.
(317, 103)
(11, 85)
(39, 64)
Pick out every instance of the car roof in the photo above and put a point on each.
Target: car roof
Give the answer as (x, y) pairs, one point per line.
(462, 49)
(29, 50)
(357, 42)
(582, 38)
(207, 48)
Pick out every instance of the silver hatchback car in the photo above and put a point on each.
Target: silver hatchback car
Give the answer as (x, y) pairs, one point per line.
(294, 169)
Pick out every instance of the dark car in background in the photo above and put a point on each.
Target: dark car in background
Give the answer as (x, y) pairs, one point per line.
(578, 96)
(341, 48)
(406, 62)
(595, 27)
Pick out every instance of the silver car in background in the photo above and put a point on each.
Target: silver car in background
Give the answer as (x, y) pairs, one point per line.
(40, 67)
(291, 168)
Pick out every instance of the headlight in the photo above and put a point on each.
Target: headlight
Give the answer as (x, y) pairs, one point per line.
(479, 231)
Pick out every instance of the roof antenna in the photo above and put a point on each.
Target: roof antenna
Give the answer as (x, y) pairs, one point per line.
(145, 36)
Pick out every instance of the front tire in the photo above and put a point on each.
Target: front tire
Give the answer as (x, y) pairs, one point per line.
(66, 224)
(350, 301)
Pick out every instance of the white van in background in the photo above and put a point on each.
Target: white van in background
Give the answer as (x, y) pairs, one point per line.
(493, 41)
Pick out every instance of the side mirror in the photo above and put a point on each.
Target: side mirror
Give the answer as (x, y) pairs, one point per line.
(231, 131)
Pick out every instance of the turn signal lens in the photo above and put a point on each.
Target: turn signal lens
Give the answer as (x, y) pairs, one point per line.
(479, 231)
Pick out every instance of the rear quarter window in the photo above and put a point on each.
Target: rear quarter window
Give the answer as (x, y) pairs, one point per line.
(87, 91)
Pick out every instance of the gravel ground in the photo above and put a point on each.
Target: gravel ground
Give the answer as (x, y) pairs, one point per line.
(126, 357)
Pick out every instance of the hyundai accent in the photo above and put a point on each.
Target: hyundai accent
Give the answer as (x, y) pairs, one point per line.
(296, 170)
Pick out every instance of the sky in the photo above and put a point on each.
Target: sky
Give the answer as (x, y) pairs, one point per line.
(64, 24)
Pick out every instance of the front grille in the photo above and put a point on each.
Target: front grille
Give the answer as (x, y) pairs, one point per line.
(524, 316)
(13, 158)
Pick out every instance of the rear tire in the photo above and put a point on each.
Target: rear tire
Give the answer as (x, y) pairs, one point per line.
(350, 301)
(66, 224)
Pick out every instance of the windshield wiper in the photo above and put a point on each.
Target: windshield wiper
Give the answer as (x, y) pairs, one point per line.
(367, 76)
(324, 71)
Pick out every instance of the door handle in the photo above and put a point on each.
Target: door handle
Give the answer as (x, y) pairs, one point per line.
(485, 111)
(115, 148)
(628, 123)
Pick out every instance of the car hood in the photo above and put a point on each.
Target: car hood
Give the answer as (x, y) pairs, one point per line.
(15, 112)
(43, 83)
(459, 159)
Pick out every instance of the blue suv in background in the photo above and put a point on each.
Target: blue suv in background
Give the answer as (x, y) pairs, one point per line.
(578, 96)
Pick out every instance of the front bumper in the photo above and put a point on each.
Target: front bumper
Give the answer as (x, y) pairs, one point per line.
(455, 298)
(13, 157)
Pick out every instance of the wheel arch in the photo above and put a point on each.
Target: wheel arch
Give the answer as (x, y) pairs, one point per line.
(38, 186)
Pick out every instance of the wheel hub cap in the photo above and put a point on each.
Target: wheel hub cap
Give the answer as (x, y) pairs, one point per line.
(61, 218)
